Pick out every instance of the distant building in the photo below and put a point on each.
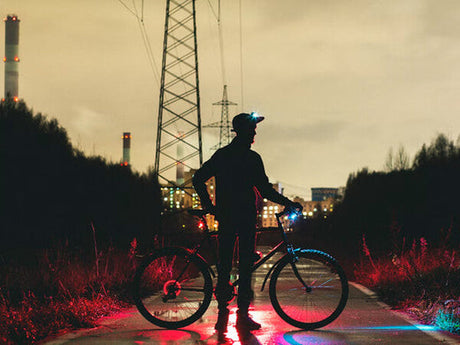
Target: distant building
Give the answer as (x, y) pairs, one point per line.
(316, 208)
(185, 196)
(266, 218)
(322, 193)
(180, 197)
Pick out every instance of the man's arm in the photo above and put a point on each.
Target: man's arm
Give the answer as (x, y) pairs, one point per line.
(266, 188)
(203, 174)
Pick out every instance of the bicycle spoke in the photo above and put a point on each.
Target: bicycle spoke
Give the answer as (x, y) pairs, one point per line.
(311, 301)
(174, 288)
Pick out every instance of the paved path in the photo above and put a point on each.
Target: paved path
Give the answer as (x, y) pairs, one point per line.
(365, 321)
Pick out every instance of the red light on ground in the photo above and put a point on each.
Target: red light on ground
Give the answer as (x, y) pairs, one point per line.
(126, 164)
(14, 18)
(201, 225)
(16, 99)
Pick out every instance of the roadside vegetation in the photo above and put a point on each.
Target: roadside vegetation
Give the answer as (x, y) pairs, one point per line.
(62, 289)
(67, 252)
(408, 221)
(418, 278)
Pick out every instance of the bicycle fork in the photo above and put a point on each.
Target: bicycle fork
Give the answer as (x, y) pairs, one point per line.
(294, 259)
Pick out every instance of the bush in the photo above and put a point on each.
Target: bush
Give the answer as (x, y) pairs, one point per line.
(421, 280)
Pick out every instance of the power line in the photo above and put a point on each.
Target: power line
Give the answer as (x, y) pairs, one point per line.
(145, 37)
(218, 17)
(241, 56)
(126, 6)
(221, 46)
(212, 9)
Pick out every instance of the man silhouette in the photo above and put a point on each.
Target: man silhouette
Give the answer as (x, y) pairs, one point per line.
(239, 174)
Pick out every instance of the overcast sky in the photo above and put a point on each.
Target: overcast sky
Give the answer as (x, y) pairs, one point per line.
(339, 82)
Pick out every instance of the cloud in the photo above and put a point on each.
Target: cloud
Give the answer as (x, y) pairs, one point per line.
(301, 132)
(88, 122)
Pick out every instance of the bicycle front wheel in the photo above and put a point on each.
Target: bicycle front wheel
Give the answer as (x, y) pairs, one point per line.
(310, 293)
(173, 288)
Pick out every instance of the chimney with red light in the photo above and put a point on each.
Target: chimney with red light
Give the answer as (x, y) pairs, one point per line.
(126, 148)
(11, 57)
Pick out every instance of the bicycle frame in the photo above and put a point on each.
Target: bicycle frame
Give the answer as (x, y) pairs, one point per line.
(284, 242)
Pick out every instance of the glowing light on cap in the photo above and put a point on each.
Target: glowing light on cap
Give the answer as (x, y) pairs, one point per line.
(255, 115)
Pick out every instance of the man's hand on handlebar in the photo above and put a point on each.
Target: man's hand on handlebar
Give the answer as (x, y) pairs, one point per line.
(293, 207)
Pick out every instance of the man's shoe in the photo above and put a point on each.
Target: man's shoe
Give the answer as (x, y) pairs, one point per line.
(222, 321)
(244, 322)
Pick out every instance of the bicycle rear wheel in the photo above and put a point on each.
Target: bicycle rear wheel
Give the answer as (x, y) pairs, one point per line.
(172, 288)
(312, 297)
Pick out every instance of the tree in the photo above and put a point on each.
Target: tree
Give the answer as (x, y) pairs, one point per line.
(51, 192)
(398, 161)
(389, 164)
(441, 151)
(401, 160)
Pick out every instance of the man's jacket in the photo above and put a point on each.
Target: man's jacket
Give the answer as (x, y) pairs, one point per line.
(237, 170)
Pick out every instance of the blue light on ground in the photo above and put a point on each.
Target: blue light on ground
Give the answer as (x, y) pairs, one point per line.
(334, 337)
(400, 328)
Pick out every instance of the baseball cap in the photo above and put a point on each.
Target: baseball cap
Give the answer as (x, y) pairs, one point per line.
(245, 120)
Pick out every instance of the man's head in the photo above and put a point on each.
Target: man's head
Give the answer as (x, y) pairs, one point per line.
(245, 124)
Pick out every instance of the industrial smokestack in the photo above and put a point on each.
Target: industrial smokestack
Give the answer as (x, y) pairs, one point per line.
(11, 58)
(126, 148)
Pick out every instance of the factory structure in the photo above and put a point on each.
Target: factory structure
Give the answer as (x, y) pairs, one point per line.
(126, 149)
(11, 58)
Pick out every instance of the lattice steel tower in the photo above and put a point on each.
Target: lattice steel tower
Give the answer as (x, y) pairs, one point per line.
(224, 124)
(179, 117)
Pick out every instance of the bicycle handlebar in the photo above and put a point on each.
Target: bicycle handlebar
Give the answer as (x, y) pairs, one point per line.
(289, 211)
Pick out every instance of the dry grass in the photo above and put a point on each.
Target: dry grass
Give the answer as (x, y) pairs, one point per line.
(61, 289)
(422, 280)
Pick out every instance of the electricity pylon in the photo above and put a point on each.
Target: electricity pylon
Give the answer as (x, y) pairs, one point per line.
(179, 117)
(224, 124)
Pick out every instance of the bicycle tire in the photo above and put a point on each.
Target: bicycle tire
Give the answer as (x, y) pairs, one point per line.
(317, 307)
(172, 287)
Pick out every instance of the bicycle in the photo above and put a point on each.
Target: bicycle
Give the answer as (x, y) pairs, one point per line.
(173, 286)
